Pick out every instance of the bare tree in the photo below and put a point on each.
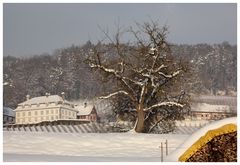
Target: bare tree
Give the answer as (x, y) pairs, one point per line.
(143, 70)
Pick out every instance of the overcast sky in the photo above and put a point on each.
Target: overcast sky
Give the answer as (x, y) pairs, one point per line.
(41, 28)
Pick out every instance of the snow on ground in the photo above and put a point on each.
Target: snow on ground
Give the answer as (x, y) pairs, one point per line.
(39, 146)
(173, 157)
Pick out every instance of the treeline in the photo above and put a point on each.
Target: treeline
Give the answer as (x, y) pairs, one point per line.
(214, 67)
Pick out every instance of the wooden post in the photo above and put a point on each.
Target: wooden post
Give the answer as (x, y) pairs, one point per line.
(161, 152)
(166, 147)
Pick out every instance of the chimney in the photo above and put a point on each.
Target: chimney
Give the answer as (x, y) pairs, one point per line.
(85, 105)
(47, 94)
(63, 95)
(27, 97)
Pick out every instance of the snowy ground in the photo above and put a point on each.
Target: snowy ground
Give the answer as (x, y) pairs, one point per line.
(62, 147)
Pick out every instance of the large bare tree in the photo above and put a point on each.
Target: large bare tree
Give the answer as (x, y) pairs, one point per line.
(143, 70)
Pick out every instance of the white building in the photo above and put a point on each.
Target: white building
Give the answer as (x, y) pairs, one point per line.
(44, 108)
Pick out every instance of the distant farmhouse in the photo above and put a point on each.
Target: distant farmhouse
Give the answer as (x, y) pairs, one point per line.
(213, 107)
(44, 108)
(87, 112)
(8, 116)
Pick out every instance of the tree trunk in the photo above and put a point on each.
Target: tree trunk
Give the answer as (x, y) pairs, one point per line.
(139, 126)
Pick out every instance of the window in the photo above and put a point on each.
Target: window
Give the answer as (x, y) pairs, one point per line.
(18, 114)
(29, 119)
(23, 114)
(52, 118)
(5, 118)
(47, 118)
(42, 118)
(47, 112)
(35, 118)
(29, 113)
(36, 113)
(56, 111)
(18, 120)
(56, 117)
(41, 112)
(52, 111)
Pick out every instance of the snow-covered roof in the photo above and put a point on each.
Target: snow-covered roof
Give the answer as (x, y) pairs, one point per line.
(173, 157)
(84, 109)
(8, 111)
(44, 99)
(204, 107)
(216, 100)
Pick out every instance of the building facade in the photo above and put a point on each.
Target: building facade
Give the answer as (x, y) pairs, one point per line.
(87, 112)
(8, 116)
(204, 115)
(44, 108)
(213, 107)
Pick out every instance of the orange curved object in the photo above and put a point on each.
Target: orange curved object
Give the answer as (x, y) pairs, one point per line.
(229, 128)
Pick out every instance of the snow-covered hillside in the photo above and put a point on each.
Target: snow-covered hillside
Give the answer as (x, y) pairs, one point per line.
(27, 146)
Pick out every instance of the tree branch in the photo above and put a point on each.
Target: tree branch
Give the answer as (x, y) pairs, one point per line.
(169, 103)
(115, 93)
(154, 125)
(174, 74)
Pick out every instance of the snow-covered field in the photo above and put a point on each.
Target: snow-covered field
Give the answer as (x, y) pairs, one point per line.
(40, 147)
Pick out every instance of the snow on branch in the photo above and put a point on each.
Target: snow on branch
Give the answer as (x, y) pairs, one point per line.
(133, 81)
(115, 93)
(103, 68)
(170, 104)
(116, 73)
(170, 75)
(159, 68)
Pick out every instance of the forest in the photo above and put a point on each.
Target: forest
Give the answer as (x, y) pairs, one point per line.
(214, 70)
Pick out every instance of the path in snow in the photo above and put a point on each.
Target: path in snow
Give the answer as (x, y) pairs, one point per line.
(39, 146)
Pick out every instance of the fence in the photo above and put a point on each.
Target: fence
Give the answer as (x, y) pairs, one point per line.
(189, 127)
(164, 145)
(59, 128)
(75, 126)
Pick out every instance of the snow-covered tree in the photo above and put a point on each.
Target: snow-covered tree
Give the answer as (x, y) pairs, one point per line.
(143, 71)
